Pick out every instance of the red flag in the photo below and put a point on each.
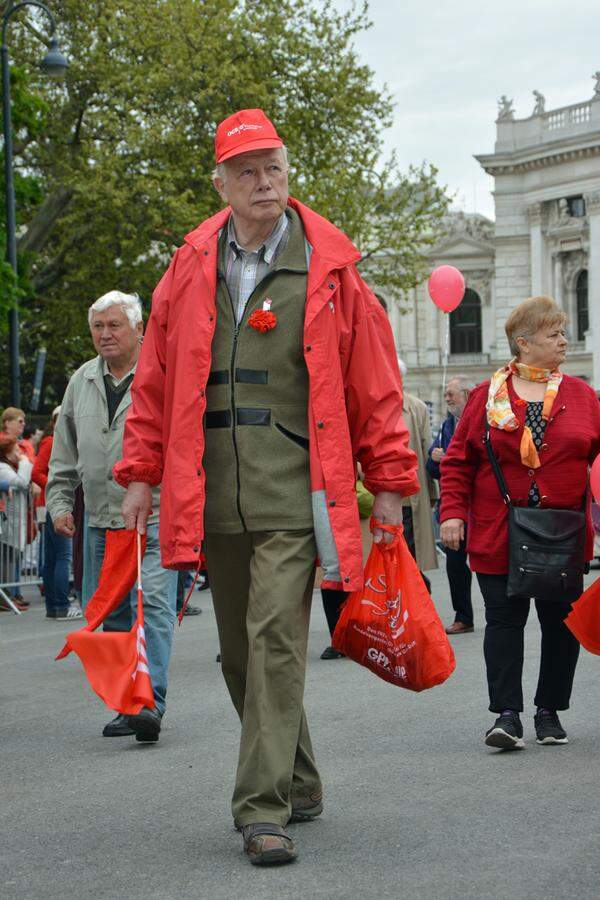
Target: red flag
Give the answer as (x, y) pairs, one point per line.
(115, 662)
(584, 619)
(117, 575)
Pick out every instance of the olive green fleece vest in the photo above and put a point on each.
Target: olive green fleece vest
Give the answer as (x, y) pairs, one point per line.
(256, 425)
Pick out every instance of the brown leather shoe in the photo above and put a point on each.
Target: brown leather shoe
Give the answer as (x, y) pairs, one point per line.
(306, 808)
(459, 628)
(267, 844)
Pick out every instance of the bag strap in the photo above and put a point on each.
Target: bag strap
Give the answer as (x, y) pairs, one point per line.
(495, 464)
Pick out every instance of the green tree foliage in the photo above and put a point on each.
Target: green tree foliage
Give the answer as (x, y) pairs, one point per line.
(125, 157)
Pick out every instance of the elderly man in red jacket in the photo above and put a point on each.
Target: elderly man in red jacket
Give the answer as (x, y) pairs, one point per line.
(267, 369)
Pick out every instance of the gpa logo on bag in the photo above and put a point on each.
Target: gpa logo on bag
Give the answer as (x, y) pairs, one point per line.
(391, 608)
(380, 659)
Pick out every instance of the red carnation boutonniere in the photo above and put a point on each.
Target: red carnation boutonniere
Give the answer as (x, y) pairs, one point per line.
(263, 320)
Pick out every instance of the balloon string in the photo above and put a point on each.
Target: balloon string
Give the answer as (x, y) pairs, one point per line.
(446, 357)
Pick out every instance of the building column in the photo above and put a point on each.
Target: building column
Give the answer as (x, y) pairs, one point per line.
(558, 280)
(411, 350)
(592, 205)
(536, 247)
(434, 349)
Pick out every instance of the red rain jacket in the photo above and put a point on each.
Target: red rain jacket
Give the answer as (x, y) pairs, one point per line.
(355, 392)
(39, 474)
(470, 491)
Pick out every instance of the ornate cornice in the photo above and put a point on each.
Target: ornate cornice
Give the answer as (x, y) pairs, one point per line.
(502, 164)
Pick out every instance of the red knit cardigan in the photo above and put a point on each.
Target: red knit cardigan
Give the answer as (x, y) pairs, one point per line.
(469, 489)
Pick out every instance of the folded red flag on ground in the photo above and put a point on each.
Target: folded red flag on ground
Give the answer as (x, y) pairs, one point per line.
(584, 619)
(115, 662)
(391, 626)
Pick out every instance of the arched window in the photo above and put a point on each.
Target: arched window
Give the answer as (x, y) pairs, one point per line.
(583, 313)
(465, 324)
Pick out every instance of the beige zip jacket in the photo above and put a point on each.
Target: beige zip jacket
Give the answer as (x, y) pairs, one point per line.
(85, 450)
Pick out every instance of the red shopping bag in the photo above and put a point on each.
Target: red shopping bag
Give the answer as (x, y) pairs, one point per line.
(391, 626)
(584, 619)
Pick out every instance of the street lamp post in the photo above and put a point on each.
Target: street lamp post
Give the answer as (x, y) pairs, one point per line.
(54, 64)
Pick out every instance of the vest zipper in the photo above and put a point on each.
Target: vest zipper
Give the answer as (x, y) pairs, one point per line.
(236, 333)
(232, 376)
(233, 419)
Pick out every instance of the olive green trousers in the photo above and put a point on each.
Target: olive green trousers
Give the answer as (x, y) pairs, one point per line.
(262, 585)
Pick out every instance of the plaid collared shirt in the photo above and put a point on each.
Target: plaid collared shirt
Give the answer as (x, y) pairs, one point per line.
(245, 269)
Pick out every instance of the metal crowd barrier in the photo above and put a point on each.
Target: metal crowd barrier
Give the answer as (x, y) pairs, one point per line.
(21, 543)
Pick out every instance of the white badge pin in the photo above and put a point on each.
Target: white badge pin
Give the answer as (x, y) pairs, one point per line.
(267, 304)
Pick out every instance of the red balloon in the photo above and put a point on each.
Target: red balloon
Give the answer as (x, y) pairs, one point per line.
(595, 479)
(446, 287)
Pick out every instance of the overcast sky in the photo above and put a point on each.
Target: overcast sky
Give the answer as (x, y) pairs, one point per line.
(447, 64)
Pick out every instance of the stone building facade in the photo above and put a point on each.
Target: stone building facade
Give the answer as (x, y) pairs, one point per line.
(545, 240)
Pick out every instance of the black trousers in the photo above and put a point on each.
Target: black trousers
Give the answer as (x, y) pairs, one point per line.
(459, 579)
(332, 601)
(503, 648)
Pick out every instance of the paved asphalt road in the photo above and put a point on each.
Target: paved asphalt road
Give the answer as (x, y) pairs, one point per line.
(416, 805)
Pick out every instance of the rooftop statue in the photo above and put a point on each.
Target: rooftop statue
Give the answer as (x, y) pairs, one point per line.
(505, 108)
(540, 104)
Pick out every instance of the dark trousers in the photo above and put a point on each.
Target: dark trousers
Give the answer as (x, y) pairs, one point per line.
(503, 648)
(409, 537)
(57, 561)
(78, 515)
(332, 602)
(459, 579)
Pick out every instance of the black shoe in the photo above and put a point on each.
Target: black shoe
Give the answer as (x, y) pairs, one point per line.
(192, 610)
(119, 727)
(146, 725)
(506, 733)
(330, 653)
(548, 728)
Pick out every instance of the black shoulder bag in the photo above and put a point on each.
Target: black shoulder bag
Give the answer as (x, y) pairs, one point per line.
(546, 547)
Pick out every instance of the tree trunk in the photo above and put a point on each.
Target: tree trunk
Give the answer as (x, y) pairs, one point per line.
(42, 224)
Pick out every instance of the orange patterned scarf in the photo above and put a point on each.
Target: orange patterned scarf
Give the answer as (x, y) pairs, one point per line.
(499, 410)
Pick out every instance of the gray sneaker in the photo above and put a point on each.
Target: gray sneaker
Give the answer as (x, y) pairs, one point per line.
(73, 611)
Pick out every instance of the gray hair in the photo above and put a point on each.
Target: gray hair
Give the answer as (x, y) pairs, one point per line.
(220, 170)
(465, 383)
(130, 304)
(403, 367)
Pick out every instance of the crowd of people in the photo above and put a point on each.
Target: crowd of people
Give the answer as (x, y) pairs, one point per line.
(260, 424)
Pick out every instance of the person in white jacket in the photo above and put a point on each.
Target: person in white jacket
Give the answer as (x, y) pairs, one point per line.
(15, 472)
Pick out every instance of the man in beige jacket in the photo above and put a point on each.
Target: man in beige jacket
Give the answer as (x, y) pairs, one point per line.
(88, 441)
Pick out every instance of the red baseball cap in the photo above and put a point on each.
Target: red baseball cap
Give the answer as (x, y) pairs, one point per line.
(246, 130)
